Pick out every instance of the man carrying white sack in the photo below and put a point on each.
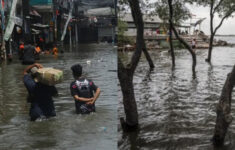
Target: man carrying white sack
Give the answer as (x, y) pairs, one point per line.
(40, 95)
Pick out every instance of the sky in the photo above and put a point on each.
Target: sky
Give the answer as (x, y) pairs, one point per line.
(228, 27)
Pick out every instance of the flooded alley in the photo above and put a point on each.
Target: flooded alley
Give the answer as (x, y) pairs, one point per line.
(67, 130)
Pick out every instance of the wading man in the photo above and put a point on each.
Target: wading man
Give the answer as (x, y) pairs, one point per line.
(40, 95)
(84, 91)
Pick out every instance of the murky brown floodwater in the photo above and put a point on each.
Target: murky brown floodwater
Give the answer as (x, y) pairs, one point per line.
(68, 130)
(175, 110)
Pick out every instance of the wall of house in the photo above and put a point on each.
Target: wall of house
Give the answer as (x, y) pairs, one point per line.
(105, 32)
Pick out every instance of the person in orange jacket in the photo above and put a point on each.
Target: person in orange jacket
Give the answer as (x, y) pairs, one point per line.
(55, 50)
(21, 50)
(37, 52)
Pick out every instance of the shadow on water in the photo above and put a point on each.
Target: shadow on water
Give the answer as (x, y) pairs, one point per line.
(177, 111)
(67, 130)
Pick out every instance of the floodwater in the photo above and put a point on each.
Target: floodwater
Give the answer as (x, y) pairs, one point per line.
(67, 130)
(177, 112)
(229, 39)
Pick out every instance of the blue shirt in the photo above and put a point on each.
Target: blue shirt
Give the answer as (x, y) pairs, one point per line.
(39, 92)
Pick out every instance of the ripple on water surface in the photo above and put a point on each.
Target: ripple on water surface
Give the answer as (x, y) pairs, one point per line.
(67, 130)
(175, 110)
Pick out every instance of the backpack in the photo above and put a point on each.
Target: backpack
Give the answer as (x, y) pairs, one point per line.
(84, 89)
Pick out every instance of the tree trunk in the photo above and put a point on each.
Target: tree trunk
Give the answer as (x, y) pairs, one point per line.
(170, 31)
(151, 64)
(212, 32)
(125, 73)
(126, 82)
(210, 48)
(224, 117)
(188, 47)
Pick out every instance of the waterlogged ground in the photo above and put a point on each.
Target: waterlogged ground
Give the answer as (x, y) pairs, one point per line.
(68, 130)
(175, 110)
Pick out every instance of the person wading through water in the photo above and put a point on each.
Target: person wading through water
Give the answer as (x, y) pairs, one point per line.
(84, 92)
(40, 95)
(28, 54)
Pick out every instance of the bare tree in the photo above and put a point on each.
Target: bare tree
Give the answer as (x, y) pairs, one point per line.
(225, 9)
(122, 7)
(186, 45)
(126, 73)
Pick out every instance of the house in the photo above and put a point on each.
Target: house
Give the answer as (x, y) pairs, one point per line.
(93, 18)
(151, 24)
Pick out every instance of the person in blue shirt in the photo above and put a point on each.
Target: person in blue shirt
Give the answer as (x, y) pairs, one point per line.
(39, 95)
(84, 91)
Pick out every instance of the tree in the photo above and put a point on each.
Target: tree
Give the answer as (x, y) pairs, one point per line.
(170, 33)
(173, 17)
(126, 73)
(224, 117)
(224, 9)
(175, 11)
(122, 39)
(123, 8)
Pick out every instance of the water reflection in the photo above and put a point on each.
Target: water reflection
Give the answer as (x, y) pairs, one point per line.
(177, 111)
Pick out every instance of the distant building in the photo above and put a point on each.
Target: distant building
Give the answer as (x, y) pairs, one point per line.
(91, 21)
(151, 24)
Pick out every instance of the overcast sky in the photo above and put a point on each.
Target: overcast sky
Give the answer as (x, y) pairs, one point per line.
(228, 26)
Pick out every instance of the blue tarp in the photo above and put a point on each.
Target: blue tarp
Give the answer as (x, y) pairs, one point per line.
(40, 2)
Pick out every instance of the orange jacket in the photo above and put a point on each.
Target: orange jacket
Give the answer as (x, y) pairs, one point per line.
(55, 51)
(37, 49)
(21, 46)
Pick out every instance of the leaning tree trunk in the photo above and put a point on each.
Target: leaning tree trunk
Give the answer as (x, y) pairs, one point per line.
(151, 64)
(188, 47)
(170, 31)
(126, 73)
(224, 117)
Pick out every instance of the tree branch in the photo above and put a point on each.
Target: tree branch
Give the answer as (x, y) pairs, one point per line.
(217, 6)
(222, 20)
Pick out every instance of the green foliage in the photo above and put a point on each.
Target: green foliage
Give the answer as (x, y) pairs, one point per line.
(122, 39)
(180, 11)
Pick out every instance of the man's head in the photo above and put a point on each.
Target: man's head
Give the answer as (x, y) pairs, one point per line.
(77, 70)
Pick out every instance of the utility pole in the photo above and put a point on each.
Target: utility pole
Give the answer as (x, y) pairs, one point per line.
(54, 4)
(26, 21)
(3, 48)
